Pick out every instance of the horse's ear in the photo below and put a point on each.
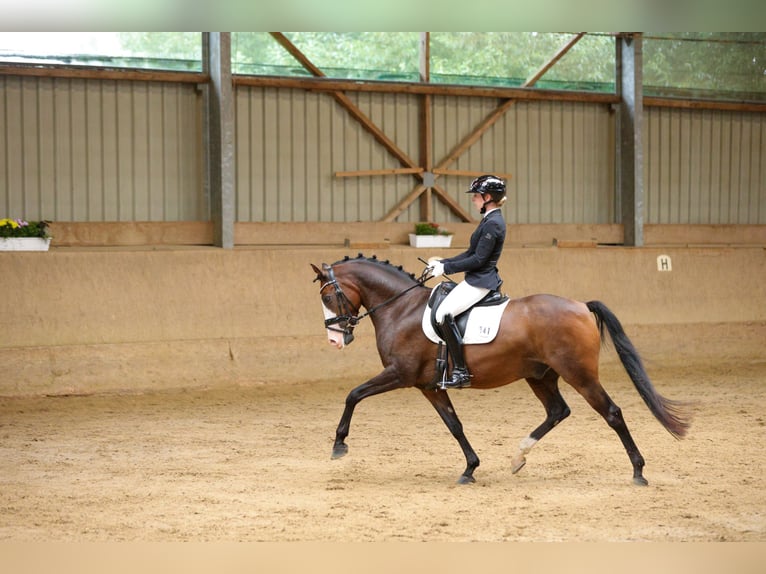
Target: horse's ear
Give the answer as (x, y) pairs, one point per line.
(319, 276)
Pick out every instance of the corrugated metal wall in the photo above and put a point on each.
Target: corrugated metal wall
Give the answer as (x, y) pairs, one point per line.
(704, 166)
(290, 144)
(87, 150)
(559, 155)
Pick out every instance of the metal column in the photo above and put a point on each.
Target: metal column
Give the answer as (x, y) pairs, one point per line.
(219, 136)
(630, 157)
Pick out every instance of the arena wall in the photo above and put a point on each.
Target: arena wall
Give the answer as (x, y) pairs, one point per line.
(116, 320)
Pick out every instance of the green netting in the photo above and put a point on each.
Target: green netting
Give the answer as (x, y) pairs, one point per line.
(714, 65)
(707, 65)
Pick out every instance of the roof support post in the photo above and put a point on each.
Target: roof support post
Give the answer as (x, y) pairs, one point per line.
(219, 136)
(630, 156)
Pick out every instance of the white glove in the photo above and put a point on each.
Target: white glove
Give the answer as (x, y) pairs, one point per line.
(437, 268)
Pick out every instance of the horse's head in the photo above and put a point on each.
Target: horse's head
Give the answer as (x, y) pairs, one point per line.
(348, 285)
(340, 305)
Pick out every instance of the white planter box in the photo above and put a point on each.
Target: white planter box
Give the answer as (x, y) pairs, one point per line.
(24, 243)
(430, 240)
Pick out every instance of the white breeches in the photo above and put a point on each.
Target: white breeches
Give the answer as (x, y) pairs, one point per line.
(460, 299)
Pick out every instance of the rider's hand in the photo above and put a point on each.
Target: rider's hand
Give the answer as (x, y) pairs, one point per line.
(437, 268)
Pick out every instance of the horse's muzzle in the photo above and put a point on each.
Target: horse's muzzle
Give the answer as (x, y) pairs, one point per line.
(339, 338)
(334, 331)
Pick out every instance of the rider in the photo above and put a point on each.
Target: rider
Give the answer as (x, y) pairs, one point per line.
(479, 262)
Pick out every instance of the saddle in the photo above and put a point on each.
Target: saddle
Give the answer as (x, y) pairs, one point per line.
(478, 324)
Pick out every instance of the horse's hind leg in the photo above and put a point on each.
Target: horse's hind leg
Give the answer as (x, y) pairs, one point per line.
(547, 390)
(602, 403)
(443, 405)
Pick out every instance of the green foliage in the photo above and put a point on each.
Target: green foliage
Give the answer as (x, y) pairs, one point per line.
(710, 64)
(706, 62)
(175, 45)
(364, 55)
(510, 58)
(427, 228)
(21, 228)
(686, 64)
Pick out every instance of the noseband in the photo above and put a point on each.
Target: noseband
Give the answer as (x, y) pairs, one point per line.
(346, 313)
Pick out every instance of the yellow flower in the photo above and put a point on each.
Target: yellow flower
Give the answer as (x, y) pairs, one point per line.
(8, 221)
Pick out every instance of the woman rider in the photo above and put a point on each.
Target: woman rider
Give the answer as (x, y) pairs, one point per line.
(479, 263)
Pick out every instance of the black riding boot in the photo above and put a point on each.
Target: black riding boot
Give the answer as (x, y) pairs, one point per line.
(460, 376)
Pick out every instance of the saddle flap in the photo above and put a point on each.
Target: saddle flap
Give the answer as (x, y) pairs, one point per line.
(440, 292)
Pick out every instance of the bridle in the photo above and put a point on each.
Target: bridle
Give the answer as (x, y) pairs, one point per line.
(345, 314)
(347, 318)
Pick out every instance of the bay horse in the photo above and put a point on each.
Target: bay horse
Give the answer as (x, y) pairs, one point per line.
(541, 338)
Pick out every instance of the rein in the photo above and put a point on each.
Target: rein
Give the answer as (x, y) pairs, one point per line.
(418, 282)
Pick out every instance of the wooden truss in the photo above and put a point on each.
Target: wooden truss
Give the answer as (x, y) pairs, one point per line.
(424, 171)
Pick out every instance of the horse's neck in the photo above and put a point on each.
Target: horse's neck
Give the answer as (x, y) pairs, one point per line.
(380, 290)
(378, 293)
(399, 300)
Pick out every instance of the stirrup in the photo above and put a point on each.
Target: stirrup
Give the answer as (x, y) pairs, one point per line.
(461, 379)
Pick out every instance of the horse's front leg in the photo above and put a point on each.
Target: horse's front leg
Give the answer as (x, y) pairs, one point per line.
(385, 381)
(443, 405)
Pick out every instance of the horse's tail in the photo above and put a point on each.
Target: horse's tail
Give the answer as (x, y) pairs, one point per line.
(670, 413)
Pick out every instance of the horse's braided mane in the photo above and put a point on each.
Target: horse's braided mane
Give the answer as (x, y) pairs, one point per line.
(384, 262)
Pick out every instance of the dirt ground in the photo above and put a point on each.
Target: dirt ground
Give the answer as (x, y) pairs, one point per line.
(252, 463)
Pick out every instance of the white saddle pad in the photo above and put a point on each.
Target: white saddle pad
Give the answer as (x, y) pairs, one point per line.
(483, 324)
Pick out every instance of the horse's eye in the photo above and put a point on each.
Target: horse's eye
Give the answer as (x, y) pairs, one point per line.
(326, 299)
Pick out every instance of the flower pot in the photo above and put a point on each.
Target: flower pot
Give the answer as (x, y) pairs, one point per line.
(430, 240)
(24, 243)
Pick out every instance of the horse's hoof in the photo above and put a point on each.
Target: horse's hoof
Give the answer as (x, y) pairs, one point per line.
(339, 451)
(517, 464)
(640, 481)
(465, 479)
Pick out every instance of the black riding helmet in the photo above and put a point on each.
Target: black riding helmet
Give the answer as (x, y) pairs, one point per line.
(489, 185)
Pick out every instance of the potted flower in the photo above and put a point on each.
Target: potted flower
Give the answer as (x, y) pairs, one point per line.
(20, 235)
(429, 234)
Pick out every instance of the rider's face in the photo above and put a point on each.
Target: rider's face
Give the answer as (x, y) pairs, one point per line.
(478, 201)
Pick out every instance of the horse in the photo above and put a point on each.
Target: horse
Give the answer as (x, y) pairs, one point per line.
(541, 338)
